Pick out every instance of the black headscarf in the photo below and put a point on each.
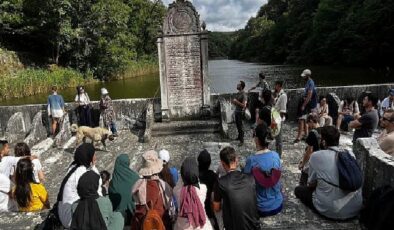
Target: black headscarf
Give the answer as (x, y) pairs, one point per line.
(189, 172)
(84, 155)
(204, 160)
(87, 215)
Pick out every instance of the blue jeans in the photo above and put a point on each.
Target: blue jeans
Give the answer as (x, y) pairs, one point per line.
(112, 126)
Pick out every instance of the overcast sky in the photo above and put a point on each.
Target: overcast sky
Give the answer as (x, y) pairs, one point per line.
(225, 15)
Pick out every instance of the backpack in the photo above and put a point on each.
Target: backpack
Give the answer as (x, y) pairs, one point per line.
(152, 220)
(276, 122)
(350, 175)
(379, 209)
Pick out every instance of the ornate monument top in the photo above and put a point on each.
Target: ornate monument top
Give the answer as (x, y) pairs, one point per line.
(182, 18)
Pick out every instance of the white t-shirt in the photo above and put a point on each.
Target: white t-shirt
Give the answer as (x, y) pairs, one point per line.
(8, 165)
(36, 168)
(70, 194)
(281, 102)
(5, 188)
(83, 99)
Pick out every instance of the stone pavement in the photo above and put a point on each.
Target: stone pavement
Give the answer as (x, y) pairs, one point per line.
(294, 215)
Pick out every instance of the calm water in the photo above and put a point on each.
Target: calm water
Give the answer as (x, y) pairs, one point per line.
(224, 75)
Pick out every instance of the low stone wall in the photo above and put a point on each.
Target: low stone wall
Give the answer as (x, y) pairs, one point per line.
(294, 95)
(18, 122)
(377, 166)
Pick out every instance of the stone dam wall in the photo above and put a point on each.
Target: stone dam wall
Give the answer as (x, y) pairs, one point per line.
(377, 166)
(29, 123)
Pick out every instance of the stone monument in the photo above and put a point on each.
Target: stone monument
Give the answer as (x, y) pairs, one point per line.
(183, 60)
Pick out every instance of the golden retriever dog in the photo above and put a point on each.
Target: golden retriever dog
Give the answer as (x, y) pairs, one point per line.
(96, 135)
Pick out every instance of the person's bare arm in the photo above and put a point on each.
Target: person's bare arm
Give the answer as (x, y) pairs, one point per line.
(41, 176)
(305, 159)
(236, 102)
(355, 124)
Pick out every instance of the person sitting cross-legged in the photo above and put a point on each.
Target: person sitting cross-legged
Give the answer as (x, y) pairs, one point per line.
(265, 167)
(321, 194)
(235, 194)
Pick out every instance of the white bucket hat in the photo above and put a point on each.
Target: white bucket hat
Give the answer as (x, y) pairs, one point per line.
(104, 91)
(164, 155)
(306, 72)
(151, 164)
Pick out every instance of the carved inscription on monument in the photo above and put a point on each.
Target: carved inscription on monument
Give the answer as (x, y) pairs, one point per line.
(183, 58)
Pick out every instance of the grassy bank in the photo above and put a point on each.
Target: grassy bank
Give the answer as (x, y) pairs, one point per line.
(142, 67)
(31, 81)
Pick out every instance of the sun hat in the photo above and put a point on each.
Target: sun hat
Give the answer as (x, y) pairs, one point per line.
(151, 164)
(104, 91)
(391, 92)
(164, 155)
(306, 72)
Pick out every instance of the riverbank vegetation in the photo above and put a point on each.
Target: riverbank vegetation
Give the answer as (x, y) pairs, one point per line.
(30, 81)
(353, 32)
(102, 37)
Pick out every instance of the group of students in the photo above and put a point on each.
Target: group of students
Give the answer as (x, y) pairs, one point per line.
(56, 109)
(21, 180)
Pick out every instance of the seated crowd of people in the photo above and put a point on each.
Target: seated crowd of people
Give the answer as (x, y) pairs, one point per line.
(159, 196)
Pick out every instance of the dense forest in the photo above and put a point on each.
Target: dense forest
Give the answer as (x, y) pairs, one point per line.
(101, 37)
(220, 44)
(351, 32)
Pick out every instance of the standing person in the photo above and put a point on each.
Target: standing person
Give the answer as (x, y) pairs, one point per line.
(209, 178)
(123, 180)
(84, 160)
(240, 104)
(22, 150)
(263, 162)
(191, 194)
(313, 145)
(263, 84)
(388, 102)
(151, 190)
(321, 194)
(93, 211)
(107, 112)
(280, 103)
(322, 111)
(29, 195)
(368, 122)
(348, 111)
(307, 104)
(55, 109)
(386, 138)
(235, 194)
(84, 107)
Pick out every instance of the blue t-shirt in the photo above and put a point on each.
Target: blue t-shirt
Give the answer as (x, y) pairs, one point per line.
(56, 102)
(174, 174)
(310, 85)
(268, 199)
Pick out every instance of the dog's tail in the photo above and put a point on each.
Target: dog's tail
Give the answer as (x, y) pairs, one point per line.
(74, 128)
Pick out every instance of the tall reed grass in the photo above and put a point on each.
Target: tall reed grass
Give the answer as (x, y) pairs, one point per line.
(138, 68)
(30, 81)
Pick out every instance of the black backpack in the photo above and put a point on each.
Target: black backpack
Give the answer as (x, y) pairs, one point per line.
(350, 175)
(379, 209)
